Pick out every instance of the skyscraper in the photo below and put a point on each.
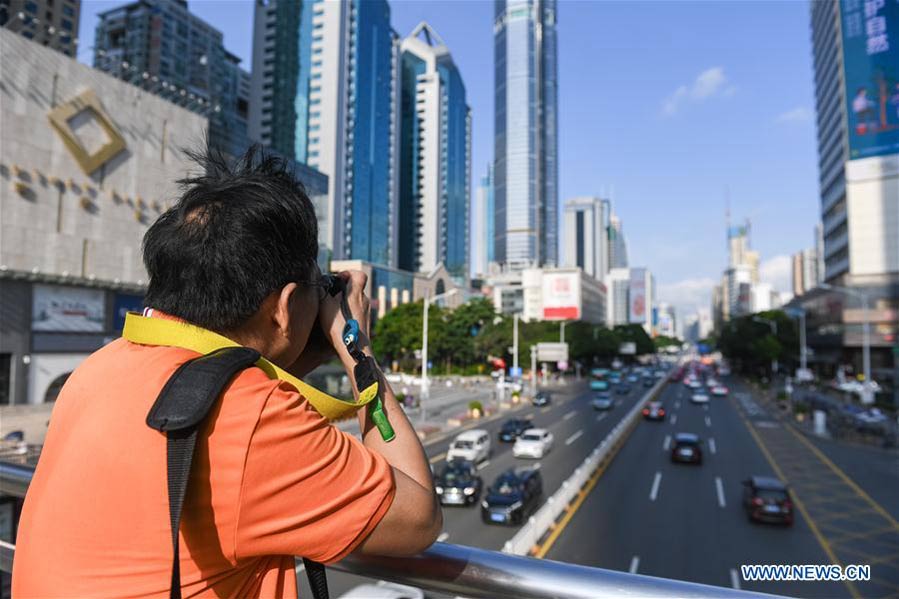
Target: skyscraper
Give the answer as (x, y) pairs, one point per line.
(482, 214)
(525, 129)
(435, 150)
(325, 92)
(617, 243)
(856, 50)
(161, 46)
(585, 235)
(54, 26)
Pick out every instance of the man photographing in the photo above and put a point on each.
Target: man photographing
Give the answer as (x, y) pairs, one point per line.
(271, 478)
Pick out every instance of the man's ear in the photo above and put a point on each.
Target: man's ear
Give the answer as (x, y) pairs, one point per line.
(281, 313)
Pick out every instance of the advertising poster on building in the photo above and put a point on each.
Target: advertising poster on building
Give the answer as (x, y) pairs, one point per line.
(637, 308)
(124, 303)
(871, 72)
(67, 309)
(561, 296)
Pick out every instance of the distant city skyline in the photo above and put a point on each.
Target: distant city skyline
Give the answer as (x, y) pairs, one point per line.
(653, 120)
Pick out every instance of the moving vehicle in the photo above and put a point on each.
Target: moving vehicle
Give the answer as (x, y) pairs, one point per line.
(383, 590)
(597, 385)
(470, 446)
(533, 443)
(541, 399)
(633, 378)
(695, 384)
(511, 429)
(699, 398)
(623, 389)
(648, 382)
(602, 401)
(687, 448)
(654, 411)
(720, 391)
(458, 483)
(512, 496)
(767, 499)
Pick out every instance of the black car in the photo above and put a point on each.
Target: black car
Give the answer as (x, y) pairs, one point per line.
(541, 399)
(514, 495)
(623, 389)
(654, 410)
(687, 448)
(513, 428)
(766, 499)
(458, 484)
(648, 382)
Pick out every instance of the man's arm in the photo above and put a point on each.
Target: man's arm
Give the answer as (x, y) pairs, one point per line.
(414, 519)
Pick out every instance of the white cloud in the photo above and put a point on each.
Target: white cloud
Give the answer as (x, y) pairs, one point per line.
(800, 114)
(709, 83)
(687, 295)
(778, 272)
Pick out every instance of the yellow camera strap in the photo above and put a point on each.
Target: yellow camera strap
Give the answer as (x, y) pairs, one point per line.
(171, 333)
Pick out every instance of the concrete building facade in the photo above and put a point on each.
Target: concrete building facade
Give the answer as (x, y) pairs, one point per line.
(586, 235)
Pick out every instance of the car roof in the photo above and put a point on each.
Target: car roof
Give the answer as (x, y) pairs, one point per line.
(768, 482)
(471, 435)
(655, 404)
(690, 437)
(539, 431)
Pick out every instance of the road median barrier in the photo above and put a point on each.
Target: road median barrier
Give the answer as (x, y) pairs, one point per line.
(534, 537)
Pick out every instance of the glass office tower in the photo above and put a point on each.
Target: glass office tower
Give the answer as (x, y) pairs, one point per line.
(325, 93)
(525, 128)
(435, 158)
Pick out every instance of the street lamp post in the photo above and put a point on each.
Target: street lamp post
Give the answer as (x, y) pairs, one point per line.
(867, 393)
(425, 384)
(562, 331)
(803, 351)
(773, 325)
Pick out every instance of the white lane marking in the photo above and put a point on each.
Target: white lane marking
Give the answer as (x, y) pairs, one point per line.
(600, 417)
(667, 444)
(676, 405)
(674, 419)
(569, 415)
(438, 457)
(708, 421)
(483, 465)
(574, 437)
(443, 536)
(734, 579)
(720, 488)
(655, 486)
(635, 563)
(712, 446)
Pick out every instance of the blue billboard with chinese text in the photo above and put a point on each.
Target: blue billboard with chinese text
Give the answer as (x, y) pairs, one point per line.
(871, 72)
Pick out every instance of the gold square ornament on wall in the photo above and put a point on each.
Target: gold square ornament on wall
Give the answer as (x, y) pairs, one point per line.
(86, 103)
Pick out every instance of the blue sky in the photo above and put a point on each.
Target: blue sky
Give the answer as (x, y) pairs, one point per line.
(668, 106)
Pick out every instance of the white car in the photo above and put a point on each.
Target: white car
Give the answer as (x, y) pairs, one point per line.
(471, 446)
(694, 384)
(533, 443)
(383, 590)
(719, 391)
(699, 398)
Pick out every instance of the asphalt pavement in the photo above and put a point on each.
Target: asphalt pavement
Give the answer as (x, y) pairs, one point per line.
(651, 516)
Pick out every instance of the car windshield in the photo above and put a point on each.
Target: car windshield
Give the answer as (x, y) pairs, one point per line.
(451, 474)
(463, 445)
(530, 437)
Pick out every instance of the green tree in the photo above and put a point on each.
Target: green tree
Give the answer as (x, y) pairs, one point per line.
(636, 334)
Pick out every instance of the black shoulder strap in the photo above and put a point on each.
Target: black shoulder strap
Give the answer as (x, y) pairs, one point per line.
(181, 407)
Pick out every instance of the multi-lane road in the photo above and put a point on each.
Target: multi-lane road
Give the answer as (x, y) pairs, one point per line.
(650, 516)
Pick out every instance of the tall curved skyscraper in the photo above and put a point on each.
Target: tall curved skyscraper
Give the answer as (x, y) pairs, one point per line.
(525, 132)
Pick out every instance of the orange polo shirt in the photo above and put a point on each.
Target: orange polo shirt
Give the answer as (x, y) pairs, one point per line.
(271, 479)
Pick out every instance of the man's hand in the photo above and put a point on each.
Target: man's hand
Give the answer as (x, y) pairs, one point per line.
(332, 320)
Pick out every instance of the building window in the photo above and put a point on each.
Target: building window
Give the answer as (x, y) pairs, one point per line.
(66, 24)
(68, 10)
(31, 7)
(6, 397)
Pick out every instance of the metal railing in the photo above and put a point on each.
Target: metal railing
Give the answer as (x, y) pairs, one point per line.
(468, 571)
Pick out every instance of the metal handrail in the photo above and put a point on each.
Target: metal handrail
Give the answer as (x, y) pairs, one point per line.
(469, 571)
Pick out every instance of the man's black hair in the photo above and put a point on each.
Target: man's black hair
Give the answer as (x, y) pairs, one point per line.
(238, 232)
